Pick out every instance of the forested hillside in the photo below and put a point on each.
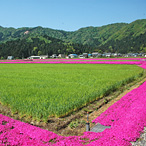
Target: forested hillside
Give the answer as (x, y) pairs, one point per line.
(131, 38)
(40, 45)
(89, 35)
(118, 37)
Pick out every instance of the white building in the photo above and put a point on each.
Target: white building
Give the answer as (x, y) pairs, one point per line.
(34, 57)
(43, 56)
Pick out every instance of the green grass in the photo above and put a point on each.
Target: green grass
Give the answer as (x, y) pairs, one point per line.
(45, 90)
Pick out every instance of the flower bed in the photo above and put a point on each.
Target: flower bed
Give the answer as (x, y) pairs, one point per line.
(143, 65)
(76, 62)
(127, 118)
(131, 61)
(84, 59)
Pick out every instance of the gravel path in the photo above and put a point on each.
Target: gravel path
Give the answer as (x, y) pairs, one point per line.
(141, 141)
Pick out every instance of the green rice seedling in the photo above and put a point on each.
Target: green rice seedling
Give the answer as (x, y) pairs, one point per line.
(46, 90)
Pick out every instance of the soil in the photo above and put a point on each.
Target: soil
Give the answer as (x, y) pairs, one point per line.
(75, 123)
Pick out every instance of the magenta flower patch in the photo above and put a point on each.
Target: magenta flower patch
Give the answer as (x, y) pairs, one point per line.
(127, 118)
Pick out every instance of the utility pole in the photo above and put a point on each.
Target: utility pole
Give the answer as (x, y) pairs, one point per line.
(87, 124)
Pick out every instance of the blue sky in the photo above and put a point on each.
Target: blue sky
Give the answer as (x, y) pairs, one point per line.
(69, 15)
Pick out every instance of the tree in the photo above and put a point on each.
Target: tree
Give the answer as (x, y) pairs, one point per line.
(39, 53)
(144, 49)
(35, 50)
(70, 50)
(2, 58)
(100, 51)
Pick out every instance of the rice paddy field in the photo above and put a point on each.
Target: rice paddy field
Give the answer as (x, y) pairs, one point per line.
(47, 90)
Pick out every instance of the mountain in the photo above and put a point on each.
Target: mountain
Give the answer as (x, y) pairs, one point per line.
(88, 35)
(131, 38)
(134, 29)
(118, 37)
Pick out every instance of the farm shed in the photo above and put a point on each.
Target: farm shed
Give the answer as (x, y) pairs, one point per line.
(10, 57)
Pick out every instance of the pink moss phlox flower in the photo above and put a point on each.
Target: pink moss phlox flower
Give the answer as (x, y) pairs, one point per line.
(127, 118)
(143, 65)
(75, 62)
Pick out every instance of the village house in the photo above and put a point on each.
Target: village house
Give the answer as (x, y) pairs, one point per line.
(53, 56)
(96, 54)
(72, 56)
(61, 56)
(85, 55)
